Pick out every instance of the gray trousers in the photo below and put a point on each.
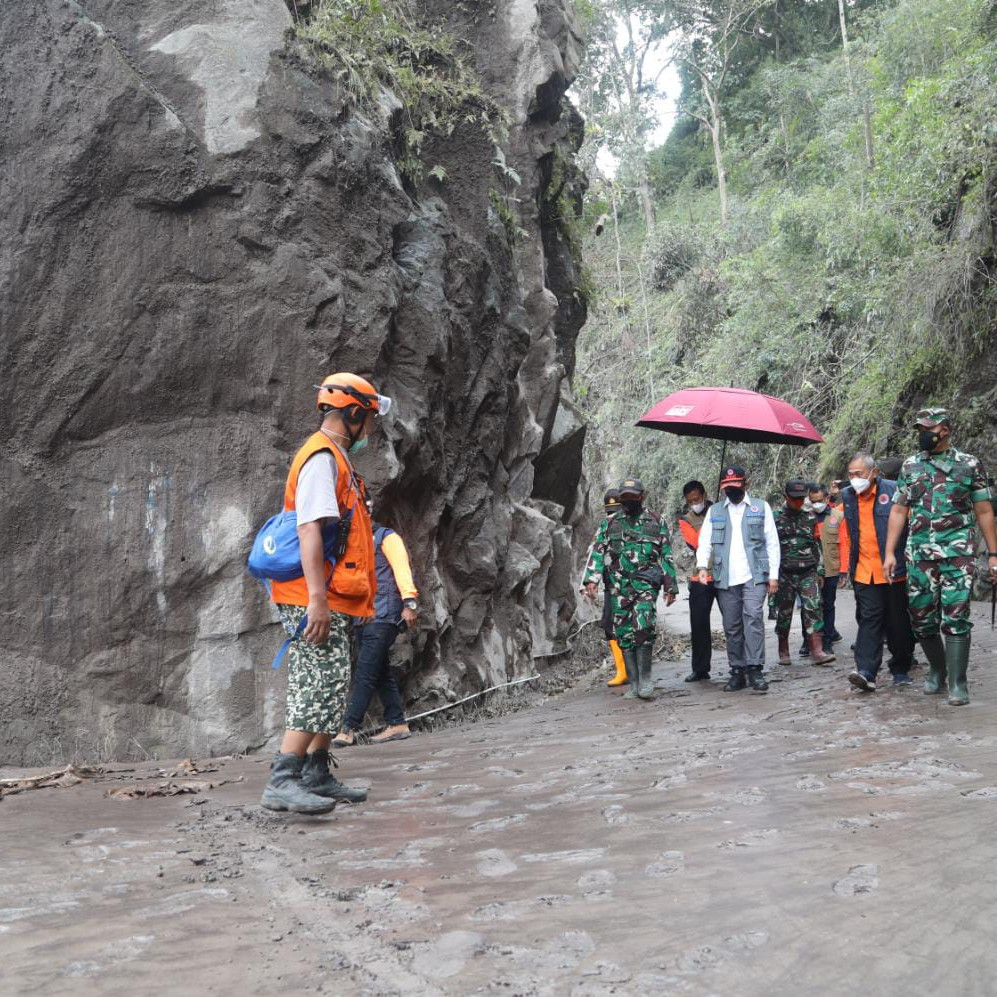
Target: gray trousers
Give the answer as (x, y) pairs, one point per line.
(744, 625)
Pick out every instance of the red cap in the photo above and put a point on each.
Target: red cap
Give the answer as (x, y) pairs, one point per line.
(733, 475)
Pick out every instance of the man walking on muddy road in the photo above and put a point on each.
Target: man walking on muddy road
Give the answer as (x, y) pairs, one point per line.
(739, 536)
(318, 608)
(939, 492)
(701, 597)
(801, 574)
(634, 548)
(882, 601)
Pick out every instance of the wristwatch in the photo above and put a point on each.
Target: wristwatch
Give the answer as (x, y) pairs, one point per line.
(412, 604)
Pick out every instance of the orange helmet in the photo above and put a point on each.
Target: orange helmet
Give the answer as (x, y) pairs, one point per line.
(350, 391)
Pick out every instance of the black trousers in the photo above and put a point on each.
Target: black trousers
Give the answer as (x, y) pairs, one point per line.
(701, 599)
(883, 612)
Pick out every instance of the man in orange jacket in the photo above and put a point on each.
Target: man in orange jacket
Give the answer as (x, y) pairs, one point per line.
(326, 494)
(701, 597)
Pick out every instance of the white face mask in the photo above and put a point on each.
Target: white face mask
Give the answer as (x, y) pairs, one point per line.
(698, 507)
(819, 506)
(860, 484)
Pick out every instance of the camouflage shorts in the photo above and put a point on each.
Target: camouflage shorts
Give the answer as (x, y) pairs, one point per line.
(317, 674)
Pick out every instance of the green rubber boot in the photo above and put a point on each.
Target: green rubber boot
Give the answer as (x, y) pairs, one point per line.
(957, 657)
(645, 684)
(630, 663)
(934, 651)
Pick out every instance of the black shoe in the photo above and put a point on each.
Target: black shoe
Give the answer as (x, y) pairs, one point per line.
(805, 649)
(696, 677)
(756, 680)
(316, 778)
(737, 681)
(835, 637)
(863, 681)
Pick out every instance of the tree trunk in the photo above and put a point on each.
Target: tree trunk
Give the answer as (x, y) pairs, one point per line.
(718, 158)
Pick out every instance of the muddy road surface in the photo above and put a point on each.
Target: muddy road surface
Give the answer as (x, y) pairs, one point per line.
(808, 841)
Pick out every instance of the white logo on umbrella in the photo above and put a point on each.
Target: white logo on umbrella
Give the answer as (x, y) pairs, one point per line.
(680, 410)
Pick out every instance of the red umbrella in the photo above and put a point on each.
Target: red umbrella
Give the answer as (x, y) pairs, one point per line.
(731, 414)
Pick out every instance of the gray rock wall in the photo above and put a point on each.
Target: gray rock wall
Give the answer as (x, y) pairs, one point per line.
(194, 231)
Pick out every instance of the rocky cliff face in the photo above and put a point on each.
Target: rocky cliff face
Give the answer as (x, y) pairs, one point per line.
(195, 230)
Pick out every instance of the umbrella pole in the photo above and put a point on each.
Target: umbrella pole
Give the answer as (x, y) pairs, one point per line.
(720, 476)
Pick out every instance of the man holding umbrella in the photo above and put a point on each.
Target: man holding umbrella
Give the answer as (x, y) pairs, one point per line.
(634, 549)
(740, 536)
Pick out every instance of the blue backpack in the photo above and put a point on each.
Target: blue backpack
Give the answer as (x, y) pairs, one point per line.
(276, 555)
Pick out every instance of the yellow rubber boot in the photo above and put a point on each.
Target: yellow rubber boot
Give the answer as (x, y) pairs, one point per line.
(620, 678)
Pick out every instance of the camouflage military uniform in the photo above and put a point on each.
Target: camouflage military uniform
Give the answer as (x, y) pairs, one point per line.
(801, 563)
(624, 547)
(317, 674)
(940, 489)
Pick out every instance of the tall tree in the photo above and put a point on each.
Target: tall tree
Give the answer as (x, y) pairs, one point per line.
(711, 31)
(619, 85)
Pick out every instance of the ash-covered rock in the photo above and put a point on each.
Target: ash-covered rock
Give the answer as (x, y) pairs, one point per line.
(196, 228)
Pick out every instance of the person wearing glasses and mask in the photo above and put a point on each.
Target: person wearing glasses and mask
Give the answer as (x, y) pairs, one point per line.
(317, 609)
(942, 495)
(867, 502)
(701, 597)
(739, 538)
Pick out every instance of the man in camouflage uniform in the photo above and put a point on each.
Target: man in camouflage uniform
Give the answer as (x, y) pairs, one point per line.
(634, 549)
(939, 491)
(801, 573)
(610, 507)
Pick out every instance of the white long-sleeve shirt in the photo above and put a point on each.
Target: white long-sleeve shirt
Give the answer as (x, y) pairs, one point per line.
(739, 572)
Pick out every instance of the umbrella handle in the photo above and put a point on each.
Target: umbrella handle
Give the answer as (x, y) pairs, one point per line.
(720, 476)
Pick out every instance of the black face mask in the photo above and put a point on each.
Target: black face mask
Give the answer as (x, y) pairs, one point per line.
(928, 439)
(632, 508)
(736, 495)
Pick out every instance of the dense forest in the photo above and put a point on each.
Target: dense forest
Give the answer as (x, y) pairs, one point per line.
(818, 225)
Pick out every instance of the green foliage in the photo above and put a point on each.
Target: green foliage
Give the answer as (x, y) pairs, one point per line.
(373, 46)
(855, 293)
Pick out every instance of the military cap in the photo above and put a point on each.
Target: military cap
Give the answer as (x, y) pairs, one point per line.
(611, 498)
(931, 417)
(733, 474)
(797, 488)
(632, 486)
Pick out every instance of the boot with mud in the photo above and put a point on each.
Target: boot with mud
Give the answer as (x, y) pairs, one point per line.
(620, 678)
(784, 656)
(286, 792)
(957, 659)
(630, 663)
(737, 681)
(817, 653)
(316, 777)
(756, 681)
(936, 681)
(645, 684)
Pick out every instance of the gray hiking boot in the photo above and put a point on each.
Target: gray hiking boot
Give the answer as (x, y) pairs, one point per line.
(286, 791)
(317, 778)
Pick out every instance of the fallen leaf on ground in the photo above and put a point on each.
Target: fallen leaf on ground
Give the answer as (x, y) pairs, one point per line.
(71, 775)
(168, 788)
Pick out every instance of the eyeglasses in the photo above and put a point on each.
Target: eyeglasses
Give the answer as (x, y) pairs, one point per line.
(363, 399)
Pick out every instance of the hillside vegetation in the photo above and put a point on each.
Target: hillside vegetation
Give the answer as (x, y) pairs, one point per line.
(852, 270)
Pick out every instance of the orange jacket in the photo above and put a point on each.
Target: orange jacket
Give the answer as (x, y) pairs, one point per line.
(690, 534)
(354, 581)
